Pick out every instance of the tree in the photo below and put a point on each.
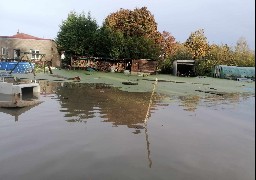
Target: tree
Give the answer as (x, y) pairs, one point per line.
(242, 45)
(197, 44)
(181, 53)
(108, 43)
(139, 22)
(142, 40)
(76, 34)
(243, 55)
(140, 48)
(168, 45)
(221, 54)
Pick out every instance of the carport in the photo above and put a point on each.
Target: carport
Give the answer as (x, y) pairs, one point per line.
(184, 68)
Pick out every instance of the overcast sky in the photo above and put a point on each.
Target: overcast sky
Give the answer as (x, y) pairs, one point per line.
(224, 21)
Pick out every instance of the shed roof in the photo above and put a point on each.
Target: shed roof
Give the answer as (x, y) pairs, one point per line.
(185, 61)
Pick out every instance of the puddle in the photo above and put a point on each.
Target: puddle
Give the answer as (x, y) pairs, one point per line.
(95, 131)
(116, 106)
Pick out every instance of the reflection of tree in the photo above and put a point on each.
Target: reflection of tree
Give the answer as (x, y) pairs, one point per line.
(189, 102)
(226, 98)
(118, 107)
(246, 96)
(113, 105)
(47, 87)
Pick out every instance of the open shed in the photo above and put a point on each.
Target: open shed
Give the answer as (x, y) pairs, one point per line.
(184, 68)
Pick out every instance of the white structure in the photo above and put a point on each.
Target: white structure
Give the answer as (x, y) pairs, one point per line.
(20, 95)
(62, 57)
(9, 88)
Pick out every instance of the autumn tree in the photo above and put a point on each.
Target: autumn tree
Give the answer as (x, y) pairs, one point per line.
(76, 34)
(139, 22)
(242, 45)
(221, 54)
(168, 44)
(197, 44)
(243, 55)
(181, 53)
(140, 31)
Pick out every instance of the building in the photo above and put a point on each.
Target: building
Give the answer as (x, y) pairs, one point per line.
(144, 66)
(134, 66)
(184, 68)
(31, 48)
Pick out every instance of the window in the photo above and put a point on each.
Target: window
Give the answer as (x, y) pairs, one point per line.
(15, 56)
(4, 51)
(35, 54)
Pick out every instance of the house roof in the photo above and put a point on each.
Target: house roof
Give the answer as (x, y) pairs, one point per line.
(23, 36)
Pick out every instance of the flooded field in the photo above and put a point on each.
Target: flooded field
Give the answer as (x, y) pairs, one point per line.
(95, 131)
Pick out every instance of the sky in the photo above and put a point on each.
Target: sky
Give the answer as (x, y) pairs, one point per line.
(223, 21)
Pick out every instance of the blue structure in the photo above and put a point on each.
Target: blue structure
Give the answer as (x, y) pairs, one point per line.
(22, 67)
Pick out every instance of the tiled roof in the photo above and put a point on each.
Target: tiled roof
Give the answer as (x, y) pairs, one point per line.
(23, 36)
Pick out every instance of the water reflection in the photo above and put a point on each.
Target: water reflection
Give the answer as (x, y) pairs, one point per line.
(191, 103)
(86, 101)
(150, 162)
(81, 102)
(16, 112)
(48, 87)
(174, 141)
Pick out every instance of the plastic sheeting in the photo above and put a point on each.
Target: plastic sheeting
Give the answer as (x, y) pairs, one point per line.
(22, 67)
(233, 72)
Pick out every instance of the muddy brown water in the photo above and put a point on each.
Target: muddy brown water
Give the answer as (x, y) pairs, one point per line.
(94, 131)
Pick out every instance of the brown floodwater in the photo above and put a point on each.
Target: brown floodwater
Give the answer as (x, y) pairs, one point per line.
(95, 132)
